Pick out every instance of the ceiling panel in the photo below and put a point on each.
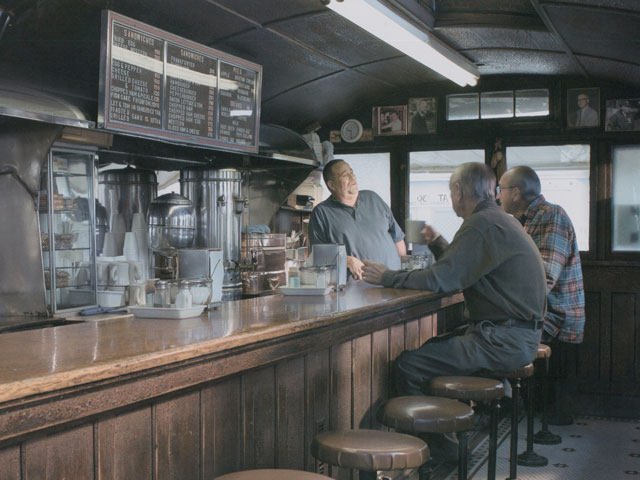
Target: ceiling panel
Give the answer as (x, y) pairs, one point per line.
(463, 38)
(498, 62)
(598, 33)
(511, 6)
(611, 70)
(337, 38)
(263, 11)
(630, 5)
(401, 72)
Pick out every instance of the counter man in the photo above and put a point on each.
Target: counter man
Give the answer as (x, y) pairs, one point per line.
(361, 220)
(552, 231)
(498, 268)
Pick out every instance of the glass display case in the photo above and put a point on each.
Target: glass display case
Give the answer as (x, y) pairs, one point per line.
(67, 228)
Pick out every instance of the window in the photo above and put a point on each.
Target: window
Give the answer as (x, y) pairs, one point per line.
(564, 175)
(372, 172)
(429, 174)
(528, 103)
(626, 199)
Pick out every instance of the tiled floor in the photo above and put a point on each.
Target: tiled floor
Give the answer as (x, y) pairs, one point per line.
(592, 448)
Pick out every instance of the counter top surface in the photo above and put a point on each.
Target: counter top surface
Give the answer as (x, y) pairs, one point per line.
(38, 361)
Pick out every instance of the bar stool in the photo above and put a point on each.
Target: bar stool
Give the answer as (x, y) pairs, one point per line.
(272, 474)
(369, 450)
(544, 436)
(417, 414)
(475, 389)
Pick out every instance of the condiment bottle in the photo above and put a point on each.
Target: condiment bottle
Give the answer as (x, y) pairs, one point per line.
(183, 298)
(294, 277)
(162, 297)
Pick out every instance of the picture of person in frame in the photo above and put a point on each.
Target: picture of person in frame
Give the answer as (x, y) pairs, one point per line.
(583, 108)
(623, 115)
(392, 120)
(422, 112)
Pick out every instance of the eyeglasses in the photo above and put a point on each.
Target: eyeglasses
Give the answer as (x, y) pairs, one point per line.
(499, 188)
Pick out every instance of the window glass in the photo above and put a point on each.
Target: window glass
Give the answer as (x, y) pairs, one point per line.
(626, 199)
(372, 172)
(429, 174)
(462, 107)
(496, 104)
(532, 103)
(564, 175)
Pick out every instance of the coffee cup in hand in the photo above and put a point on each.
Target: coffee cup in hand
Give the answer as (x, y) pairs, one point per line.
(413, 231)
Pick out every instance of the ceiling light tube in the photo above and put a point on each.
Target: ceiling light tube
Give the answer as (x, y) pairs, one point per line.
(388, 26)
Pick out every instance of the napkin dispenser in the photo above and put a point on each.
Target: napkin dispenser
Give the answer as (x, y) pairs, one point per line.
(333, 255)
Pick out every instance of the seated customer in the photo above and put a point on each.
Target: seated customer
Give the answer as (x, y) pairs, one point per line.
(498, 268)
(552, 231)
(358, 219)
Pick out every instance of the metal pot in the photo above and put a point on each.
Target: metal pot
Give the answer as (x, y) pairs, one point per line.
(172, 223)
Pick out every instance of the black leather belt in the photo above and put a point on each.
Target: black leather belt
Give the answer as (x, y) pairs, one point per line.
(533, 325)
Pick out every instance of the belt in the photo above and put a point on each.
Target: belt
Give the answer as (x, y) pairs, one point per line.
(530, 324)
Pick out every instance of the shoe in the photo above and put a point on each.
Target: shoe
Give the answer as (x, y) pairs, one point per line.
(443, 448)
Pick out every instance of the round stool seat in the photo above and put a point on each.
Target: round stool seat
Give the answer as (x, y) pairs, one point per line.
(544, 351)
(272, 474)
(422, 414)
(478, 389)
(521, 372)
(369, 450)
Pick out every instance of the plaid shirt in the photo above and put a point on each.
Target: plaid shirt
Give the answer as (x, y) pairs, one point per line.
(553, 233)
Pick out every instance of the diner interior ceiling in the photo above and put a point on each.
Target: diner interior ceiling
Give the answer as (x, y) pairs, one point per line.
(319, 68)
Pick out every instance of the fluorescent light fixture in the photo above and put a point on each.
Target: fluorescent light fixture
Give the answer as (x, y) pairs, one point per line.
(388, 26)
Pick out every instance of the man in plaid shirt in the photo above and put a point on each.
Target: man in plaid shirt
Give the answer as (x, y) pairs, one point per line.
(552, 231)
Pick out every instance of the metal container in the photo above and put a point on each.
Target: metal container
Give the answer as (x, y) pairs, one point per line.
(126, 191)
(171, 223)
(219, 205)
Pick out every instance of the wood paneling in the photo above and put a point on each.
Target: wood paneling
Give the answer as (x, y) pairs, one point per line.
(361, 374)
(177, 437)
(623, 337)
(258, 391)
(317, 385)
(222, 428)
(10, 463)
(589, 350)
(379, 374)
(412, 335)
(290, 404)
(340, 417)
(67, 454)
(124, 446)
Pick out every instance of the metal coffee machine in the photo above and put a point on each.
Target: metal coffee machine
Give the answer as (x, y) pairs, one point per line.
(171, 226)
(264, 260)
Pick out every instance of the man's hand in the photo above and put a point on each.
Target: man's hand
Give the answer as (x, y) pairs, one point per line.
(355, 267)
(372, 272)
(430, 234)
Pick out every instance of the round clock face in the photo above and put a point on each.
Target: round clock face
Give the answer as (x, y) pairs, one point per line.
(351, 130)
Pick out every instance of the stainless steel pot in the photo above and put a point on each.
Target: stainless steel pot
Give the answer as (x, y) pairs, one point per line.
(126, 191)
(171, 222)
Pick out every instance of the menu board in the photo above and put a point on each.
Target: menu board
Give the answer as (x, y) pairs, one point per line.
(156, 84)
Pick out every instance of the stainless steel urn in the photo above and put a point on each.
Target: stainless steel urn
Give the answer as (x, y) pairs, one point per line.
(126, 191)
(219, 204)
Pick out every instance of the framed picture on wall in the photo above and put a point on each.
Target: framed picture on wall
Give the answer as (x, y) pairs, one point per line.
(422, 115)
(390, 120)
(583, 107)
(623, 115)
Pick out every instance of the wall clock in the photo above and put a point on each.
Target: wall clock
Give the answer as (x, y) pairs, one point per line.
(351, 130)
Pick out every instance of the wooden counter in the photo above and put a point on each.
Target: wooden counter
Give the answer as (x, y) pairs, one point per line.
(245, 386)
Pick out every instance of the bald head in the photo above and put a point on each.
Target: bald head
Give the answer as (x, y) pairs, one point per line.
(527, 181)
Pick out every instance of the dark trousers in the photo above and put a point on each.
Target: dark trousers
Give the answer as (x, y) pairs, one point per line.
(563, 385)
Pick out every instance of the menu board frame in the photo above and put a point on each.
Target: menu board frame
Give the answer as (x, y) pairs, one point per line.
(144, 93)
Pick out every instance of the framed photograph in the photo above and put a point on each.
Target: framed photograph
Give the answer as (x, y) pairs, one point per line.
(423, 113)
(583, 107)
(623, 115)
(390, 120)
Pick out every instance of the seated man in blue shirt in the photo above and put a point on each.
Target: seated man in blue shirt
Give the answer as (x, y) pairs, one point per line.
(358, 219)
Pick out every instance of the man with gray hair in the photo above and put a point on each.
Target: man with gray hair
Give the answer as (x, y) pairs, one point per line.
(552, 231)
(498, 268)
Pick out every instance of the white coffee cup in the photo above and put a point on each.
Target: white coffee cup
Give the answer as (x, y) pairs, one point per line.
(103, 273)
(136, 272)
(119, 274)
(412, 231)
